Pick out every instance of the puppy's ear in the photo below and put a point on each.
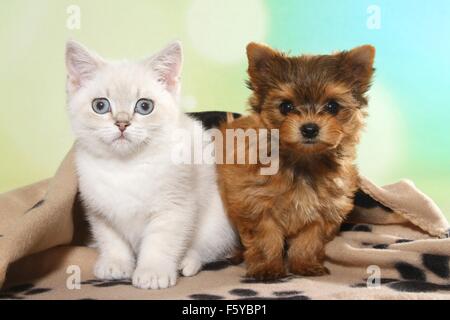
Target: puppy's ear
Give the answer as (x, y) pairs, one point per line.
(359, 62)
(260, 59)
(81, 64)
(258, 55)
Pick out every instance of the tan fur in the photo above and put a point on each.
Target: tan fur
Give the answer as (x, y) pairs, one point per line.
(302, 206)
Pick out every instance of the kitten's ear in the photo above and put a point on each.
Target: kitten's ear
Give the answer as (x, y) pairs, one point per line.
(167, 65)
(259, 57)
(360, 61)
(81, 64)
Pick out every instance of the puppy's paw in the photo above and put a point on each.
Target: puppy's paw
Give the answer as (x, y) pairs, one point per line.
(190, 266)
(266, 275)
(310, 270)
(267, 272)
(154, 278)
(113, 269)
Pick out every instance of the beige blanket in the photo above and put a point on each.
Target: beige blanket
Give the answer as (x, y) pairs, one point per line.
(394, 246)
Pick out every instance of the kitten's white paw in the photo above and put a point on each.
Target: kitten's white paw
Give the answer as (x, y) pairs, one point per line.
(190, 266)
(113, 269)
(149, 278)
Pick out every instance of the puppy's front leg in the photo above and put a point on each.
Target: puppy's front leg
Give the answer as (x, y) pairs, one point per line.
(162, 247)
(264, 246)
(306, 251)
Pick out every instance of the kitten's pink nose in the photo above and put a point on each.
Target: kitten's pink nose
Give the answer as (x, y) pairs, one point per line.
(122, 125)
(122, 121)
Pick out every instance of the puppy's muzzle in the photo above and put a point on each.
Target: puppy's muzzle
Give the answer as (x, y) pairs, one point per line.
(309, 130)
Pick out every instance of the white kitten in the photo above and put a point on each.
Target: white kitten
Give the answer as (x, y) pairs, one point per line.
(149, 216)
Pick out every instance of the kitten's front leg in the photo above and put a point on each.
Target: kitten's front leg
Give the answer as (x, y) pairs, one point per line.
(116, 259)
(164, 243)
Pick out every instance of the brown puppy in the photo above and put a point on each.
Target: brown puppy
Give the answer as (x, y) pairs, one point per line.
(318, 105)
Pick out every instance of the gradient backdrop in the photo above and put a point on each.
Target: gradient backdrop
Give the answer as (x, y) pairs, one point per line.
(408, 133)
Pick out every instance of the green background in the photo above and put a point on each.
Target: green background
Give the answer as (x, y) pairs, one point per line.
(407, 134)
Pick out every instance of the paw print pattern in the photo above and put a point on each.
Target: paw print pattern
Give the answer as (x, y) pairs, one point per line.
(251, 294)
(36, 205)
(22, 291)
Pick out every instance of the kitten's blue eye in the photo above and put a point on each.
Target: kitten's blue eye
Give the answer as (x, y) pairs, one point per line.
(144, 107)
(101, 106)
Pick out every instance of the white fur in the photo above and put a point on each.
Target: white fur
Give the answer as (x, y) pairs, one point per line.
(149, 216)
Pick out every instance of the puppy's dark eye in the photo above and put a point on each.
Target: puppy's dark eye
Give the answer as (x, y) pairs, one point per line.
(332, 107)
(101, 106)
(286, 107)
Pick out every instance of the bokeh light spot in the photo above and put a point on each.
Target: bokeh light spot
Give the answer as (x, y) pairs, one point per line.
(382, 145)
(219, 30)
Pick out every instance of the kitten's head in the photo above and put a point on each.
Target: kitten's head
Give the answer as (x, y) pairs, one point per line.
(117, 108)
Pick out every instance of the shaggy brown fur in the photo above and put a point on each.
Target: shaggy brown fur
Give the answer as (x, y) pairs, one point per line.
(301, 207)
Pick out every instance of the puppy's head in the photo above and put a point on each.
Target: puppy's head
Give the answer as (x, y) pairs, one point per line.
(317, 102)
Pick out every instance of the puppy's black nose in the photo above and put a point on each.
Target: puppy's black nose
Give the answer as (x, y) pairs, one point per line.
(309, 130)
